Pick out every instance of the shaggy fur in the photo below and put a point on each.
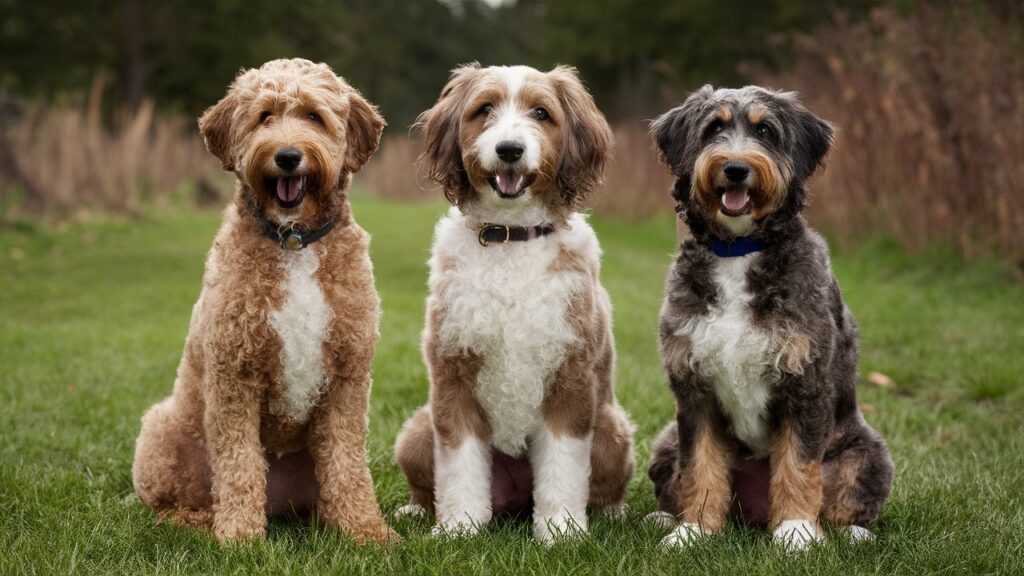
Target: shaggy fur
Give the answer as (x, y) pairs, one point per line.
(518, 339)
(269, 407)
(760, 351)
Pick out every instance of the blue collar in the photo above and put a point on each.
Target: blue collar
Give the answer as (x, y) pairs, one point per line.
(736, 247)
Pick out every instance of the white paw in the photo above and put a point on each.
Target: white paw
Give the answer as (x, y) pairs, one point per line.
(859, 534)
(414, 510)
(454, 530)
(795, 535)
(616, 511)
(561, 525)
(683, 536)
(661, 519)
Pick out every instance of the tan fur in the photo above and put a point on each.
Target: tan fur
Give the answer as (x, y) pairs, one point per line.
(794, 352)
(724, 113)
(795, 490)
(841, 504)
(756, 115)
(705, 491)
(203, 452)
(766, 197)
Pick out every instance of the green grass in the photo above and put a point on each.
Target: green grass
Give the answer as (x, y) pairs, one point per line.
(93, 316)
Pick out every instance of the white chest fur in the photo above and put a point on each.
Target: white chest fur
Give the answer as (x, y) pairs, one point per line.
(301, 324)
(503, 303)
(733, 354)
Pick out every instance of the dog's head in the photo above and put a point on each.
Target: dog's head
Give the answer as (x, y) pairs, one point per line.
(293, 132)
(740, 156)
(515, 145)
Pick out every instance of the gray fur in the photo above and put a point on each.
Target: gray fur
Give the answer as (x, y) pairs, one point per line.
(794, 290)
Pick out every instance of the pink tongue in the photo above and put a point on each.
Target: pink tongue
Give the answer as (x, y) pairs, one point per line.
(288, 187)
(735, 200)
(509, 185)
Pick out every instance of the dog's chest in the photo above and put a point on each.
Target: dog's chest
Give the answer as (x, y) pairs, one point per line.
(504, 304)
(301, 324)
(734, 354)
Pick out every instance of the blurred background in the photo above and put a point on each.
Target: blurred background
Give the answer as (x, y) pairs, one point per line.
(98, 98)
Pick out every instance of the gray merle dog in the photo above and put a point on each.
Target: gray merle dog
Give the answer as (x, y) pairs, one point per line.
(760, 351)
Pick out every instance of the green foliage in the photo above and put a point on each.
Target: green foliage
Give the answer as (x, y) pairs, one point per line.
(93, 316)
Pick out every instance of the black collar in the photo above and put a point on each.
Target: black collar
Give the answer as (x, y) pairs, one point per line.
(292, 239)
(736, 247)
(501, 234)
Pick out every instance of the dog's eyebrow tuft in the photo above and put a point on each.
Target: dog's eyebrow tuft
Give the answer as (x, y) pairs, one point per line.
(724, 114)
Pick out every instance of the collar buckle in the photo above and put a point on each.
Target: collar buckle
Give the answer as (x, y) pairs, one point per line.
(292, 241)
(482, 236)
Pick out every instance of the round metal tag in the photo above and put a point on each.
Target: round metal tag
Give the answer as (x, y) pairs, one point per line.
(293, 242)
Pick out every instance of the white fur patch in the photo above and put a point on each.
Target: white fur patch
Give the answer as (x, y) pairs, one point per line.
(561, 484)
(502, 303)
(661, 519)
(510, 121)
(462, 490)
(797, 534)
(685, 534)
(735, 355)
(301, 323)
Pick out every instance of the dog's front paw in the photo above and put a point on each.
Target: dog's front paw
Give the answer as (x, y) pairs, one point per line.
(561, 525)
(661, 519)
(796, 535)
(683, 536)
(376, 533)
(232, 529)
(414, 510)
(454, 530)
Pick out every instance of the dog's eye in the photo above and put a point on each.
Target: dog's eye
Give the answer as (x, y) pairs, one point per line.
(714, 128)
(264, 117)
(540, 114)
(485, 110)
(313, 116)
(763, 130)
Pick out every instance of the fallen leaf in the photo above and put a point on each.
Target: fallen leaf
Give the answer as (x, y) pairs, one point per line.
(880, 380)
(867, 408)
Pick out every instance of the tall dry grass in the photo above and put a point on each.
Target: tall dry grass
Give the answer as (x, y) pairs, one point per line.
(72, 161)
(930, 112)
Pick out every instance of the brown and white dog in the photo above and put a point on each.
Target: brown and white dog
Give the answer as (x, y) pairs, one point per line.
(518, 339)
(269, 407)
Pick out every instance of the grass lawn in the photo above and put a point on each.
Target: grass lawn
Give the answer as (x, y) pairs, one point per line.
(93, 317)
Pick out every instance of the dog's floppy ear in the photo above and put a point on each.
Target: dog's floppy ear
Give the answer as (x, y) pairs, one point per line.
(440, 125)
(363, 131)
(587, 144)
(215, 126)
(812, 136)
(673, 132)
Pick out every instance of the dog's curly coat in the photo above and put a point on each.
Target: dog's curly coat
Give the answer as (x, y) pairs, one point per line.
(269, 407)
(760, 350)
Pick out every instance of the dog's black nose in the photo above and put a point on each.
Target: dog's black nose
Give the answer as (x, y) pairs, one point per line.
(288, 158)
(509, 150)
(737, 171)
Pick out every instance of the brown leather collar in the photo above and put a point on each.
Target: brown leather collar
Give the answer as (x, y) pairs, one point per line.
(500, 234)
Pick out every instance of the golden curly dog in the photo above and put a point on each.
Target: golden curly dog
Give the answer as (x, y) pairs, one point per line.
(269, 407)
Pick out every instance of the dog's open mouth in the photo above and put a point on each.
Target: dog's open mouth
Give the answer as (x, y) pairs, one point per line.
(735, 201)
(510, 185)
(287, 190)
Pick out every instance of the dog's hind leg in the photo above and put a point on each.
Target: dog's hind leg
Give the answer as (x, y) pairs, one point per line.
(171, 471)
(414, 454)
(611, 460)
(857, 478)
(664, 473)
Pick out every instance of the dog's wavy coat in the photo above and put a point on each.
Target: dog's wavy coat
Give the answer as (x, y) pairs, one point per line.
(518, 339)
(269, 406)
(760, 351)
